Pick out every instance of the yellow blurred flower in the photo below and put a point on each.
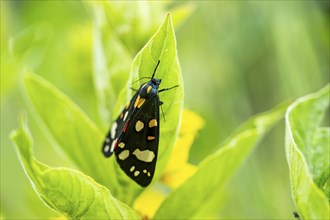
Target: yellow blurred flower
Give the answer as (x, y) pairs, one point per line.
(178, 170)
(59, 218)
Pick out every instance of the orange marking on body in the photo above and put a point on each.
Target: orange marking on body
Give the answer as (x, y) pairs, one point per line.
(148, 89)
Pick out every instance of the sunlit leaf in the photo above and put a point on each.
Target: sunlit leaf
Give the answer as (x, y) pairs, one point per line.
(69, 192)
(307, 150)
(71, 129)
(215, 171)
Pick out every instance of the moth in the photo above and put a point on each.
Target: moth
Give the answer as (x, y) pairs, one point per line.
(134, 136)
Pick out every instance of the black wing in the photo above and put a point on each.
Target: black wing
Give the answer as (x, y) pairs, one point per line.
(137, 147)
(111, 140)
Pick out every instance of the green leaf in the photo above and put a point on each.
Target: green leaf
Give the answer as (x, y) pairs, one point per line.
(111, 63)
(67, 191)
(307, 150)
(162, 46)
(215, 171)
(71, 129)
(321, 166)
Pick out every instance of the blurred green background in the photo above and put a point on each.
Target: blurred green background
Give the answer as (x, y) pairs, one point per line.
(238, 58)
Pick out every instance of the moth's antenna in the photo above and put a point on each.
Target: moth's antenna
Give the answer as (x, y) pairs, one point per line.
(162, 90)
(145, 77)
(155, 69)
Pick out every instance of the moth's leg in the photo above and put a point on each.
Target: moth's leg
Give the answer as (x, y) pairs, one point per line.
(165, 89)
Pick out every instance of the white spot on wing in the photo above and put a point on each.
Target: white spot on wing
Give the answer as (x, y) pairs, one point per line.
(113, 144)
(125, 116)
(132, 168)
(145, 156)
(113, 130)
(124, 154)
(106, 148)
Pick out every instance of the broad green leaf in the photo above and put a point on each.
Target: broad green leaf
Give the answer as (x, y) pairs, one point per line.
(71, 129)
(307, 150)
(215, 171)
(321, 166)
(161, 46)
(67, 191)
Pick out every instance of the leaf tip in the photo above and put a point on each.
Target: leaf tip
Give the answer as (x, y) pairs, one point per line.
(21, 124)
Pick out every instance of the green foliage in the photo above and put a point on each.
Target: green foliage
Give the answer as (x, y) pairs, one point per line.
(78, 136)
(307, 149)
(69, 192)
(97, 53)
(215, 171)
(118, 37)
(71, 129)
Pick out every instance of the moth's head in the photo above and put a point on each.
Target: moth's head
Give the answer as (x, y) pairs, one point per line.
(156, 81)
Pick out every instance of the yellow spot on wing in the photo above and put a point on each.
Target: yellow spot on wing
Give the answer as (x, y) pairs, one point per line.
(136, 173)
(142, 100)
(150, 138)
(145, 155)
(139, 126)
(136, 101)
(152, 123)
(124, 154)
(148, 89)
(121, 145)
